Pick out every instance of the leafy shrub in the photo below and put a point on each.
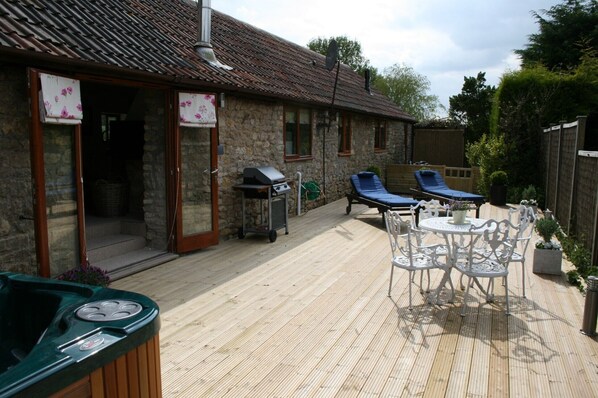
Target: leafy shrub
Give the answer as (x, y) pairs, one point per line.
(375, 170)
(489, 153)
(580, 257)
(529, 193)
(498, 177)
(547, 228)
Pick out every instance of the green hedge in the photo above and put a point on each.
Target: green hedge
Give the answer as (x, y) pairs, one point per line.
(531, 99)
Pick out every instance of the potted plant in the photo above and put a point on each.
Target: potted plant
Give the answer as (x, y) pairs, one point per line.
(498, 188)
(547, 254)
(528, 198)
(87, 275)
(459, 210)
(376, 170)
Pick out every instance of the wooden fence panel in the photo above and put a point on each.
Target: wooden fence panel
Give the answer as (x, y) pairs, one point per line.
(427, 142)
(552, 167)
(400, 178)
(572, 182)
(566, 173)
(585, 208)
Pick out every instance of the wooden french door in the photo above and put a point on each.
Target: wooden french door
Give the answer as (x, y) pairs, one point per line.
(194, 173)
(57, 190)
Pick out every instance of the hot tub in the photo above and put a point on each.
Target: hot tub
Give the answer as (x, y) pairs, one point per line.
(68, 339)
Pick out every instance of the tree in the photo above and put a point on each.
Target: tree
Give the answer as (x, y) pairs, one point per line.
(569, 30)
(472, 107)
(409, 90)
(349, 53)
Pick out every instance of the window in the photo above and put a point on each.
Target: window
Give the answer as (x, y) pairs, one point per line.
(344, 133)
(380, 135)
(297, 132)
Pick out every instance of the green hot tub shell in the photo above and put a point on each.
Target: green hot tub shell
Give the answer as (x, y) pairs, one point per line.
(53, 333)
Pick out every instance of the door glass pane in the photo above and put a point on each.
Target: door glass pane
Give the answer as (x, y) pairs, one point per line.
(196, 187)
(61, 197)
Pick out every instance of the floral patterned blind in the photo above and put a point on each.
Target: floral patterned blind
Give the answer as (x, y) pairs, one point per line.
(60, 100)
(197, 110)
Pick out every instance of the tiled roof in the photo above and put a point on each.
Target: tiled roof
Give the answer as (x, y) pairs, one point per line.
(156, 38)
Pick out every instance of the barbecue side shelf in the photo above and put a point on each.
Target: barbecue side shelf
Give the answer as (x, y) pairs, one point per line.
(276, 216)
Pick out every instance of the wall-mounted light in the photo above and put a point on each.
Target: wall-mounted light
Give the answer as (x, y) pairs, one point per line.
(322, 118)
(221, 100)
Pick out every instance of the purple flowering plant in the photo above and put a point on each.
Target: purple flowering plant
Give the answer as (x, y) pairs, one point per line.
(456, 205)
(86, 274)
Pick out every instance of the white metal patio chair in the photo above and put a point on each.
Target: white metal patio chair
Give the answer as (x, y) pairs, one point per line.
(487, 255)
(427, 209)
(422, 210)
(525, 217)
(406, 253)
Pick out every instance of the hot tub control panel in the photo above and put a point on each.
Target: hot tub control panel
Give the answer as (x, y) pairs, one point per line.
(90, 345)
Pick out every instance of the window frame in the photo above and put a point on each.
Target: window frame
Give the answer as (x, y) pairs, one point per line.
(380, 135)
(297, 110)
(346, 135)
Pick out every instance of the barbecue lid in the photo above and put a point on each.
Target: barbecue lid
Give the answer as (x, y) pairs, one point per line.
(263, 174)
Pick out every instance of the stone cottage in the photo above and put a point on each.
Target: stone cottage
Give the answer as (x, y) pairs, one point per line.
(99, 148)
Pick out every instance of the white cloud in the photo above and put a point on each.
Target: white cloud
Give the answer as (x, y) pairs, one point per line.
(442, 40)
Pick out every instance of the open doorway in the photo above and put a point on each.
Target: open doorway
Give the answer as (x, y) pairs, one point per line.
(120, 189)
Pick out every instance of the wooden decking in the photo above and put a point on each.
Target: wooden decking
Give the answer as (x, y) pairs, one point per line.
(309, 315)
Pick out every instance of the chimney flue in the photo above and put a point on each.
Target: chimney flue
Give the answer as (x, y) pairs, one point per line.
(203, 46)
(204, 31)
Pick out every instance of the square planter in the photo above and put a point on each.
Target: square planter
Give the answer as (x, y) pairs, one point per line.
(547, 261)
(498, 195)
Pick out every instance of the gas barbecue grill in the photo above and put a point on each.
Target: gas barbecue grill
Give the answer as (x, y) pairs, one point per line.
(270, 188)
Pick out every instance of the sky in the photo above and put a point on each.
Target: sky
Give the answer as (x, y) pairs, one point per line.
(443, 40)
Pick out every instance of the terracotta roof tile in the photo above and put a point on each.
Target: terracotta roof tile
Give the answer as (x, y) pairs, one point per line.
(157, 36)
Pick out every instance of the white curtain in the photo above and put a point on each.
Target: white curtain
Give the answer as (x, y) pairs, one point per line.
(60, 100)
(197, 110)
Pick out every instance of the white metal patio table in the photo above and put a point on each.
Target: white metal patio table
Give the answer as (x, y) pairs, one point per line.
(454, 234)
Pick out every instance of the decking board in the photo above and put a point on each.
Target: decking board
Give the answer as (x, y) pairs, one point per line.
(309, 315)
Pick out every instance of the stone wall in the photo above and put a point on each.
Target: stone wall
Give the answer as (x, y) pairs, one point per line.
(251, 131)
(252, 134)
(17, 240)
(154, 177)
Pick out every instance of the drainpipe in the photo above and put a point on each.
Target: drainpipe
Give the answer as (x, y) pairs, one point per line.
(299, 194)
(203, 46)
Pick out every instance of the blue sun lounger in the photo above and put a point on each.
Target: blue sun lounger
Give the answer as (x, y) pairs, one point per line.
(368, 190)
(432, 185)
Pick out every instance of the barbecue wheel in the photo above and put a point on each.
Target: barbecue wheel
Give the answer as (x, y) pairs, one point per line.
(241, 233)
(272, 235)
